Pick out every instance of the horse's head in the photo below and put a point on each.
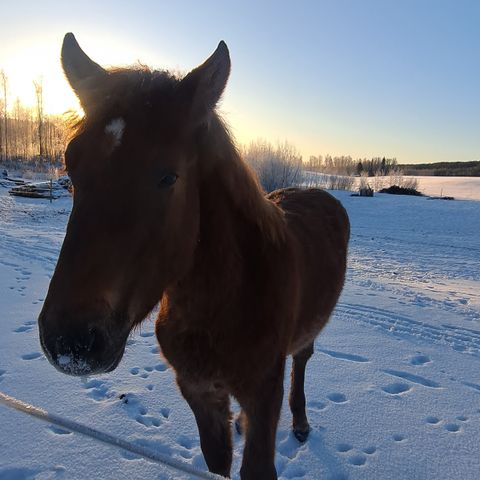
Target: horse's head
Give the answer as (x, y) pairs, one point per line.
(135, 219)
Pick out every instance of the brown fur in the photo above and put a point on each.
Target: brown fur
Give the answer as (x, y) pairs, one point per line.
(244, 279)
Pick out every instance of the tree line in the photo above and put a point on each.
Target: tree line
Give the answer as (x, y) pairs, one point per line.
(346, 165)
(444, 169)
(27, 133)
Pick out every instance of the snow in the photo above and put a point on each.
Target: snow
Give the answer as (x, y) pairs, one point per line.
(393, 389)
(464, 188)
(70, 364)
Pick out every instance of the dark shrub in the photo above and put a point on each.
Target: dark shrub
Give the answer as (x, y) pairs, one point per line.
(396, 190)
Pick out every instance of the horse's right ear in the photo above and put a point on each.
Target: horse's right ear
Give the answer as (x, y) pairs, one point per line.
(83, 74)
(202, 88)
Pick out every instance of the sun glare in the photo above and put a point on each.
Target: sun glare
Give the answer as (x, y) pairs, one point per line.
(33, 61)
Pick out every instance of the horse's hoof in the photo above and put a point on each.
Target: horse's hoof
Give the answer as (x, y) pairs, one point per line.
(301, 435)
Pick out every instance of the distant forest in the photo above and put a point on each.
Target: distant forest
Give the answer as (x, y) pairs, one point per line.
(28, 136)
(443, 169)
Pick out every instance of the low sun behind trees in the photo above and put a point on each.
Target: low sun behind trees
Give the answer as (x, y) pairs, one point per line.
(28, 135)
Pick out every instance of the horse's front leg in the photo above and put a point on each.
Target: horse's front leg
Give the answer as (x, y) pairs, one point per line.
(211, 408)
(261, 406)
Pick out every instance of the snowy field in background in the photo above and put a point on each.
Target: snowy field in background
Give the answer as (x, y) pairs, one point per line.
(393, 390)
(465, 188)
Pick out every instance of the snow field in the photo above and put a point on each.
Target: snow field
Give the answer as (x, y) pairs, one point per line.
(393, 389)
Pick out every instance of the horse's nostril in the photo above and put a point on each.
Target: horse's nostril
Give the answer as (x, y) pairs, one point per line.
(91, 342)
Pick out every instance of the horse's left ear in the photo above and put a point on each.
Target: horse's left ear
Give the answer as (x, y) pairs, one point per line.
(83, 74)
(204, 85)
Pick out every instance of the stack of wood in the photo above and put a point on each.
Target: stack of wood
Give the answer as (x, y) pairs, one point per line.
(50, 189)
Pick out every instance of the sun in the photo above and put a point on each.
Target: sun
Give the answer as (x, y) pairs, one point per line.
(39, 60)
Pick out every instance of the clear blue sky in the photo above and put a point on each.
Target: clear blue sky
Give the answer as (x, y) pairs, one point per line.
(363, 78)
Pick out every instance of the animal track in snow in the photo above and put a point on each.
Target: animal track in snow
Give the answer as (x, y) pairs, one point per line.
(344, 447)
(344, 356)
(316, 405)
(160, 367)
(165, 411)
(188, 446)
(31, 356)
(139, 412)
(399, 438)
(97, 390)
(452, 427)
(461, 339)
(147, 334)
(355, 456)
(289, 447)
(2, 373)
(420, 360)
(337, 397)
(413, 378)
(472, 385)
(396, 388)
(59, 431)
(358, 459)
(25, 327)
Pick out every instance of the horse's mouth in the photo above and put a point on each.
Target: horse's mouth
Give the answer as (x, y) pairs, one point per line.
(77, 366)
(71, 363)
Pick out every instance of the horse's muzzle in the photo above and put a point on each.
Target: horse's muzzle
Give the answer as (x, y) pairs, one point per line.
(80, 351)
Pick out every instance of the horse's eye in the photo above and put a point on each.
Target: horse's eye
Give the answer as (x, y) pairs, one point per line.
(168, 180)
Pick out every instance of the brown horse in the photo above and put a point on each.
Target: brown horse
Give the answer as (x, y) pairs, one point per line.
(165, 210)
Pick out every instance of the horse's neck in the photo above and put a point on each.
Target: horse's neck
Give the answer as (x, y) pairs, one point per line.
(237, 225)
(236, 185)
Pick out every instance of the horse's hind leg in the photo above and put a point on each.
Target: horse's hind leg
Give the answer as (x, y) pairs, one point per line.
(212, 413)
(301, 428)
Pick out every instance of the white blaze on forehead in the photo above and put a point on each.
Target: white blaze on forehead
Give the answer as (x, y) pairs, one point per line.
(116, 128)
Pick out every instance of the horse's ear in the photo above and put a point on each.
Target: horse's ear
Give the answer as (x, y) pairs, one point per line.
(83, 74)
(202, 88)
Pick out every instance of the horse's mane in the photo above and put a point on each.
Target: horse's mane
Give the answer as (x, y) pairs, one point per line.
(241, 182)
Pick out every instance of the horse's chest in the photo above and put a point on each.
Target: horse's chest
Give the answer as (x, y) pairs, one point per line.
(194, 354)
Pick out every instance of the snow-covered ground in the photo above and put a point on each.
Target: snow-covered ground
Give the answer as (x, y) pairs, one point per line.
(393, 389)
(465, 188)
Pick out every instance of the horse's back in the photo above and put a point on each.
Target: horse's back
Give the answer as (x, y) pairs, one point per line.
(319, 230)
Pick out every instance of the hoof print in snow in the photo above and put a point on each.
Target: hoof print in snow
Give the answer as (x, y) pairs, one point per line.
(344, 447)
(399, 438)
(396, 388)
(337, 397)
(358, 460)
(369, 450)
(420, 360)
(433, 420)
(452, 427)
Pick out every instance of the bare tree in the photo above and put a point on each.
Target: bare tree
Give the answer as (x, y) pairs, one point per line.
(38, 84)
(4, 79)
(276, 167)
